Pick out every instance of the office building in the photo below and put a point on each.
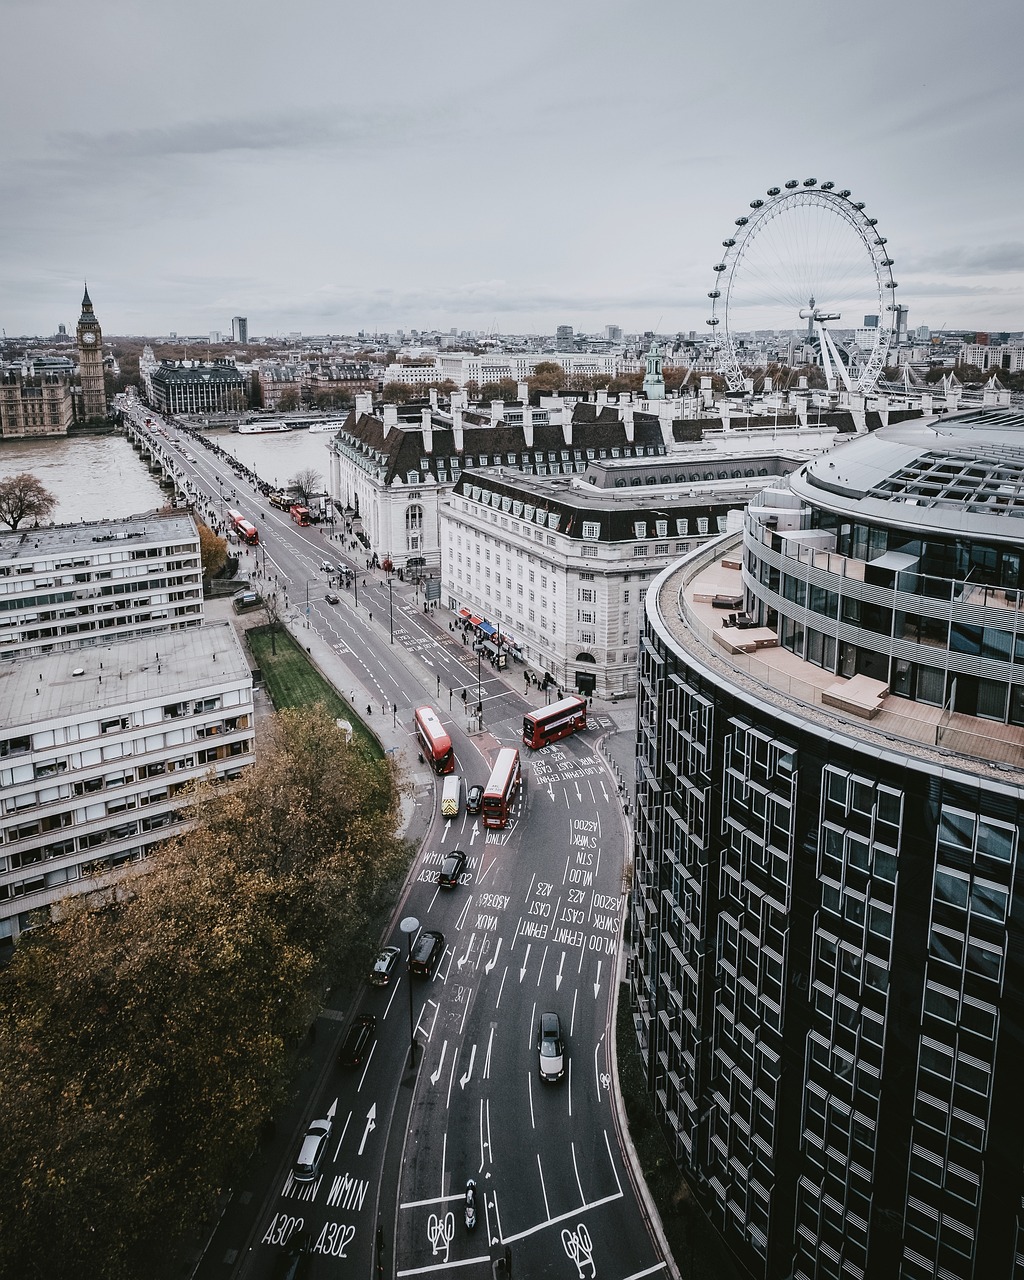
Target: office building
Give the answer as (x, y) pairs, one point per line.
(826, 921)
(239, 329)
(563, 337)
(194, 387)
(97, 747)
(66, 586)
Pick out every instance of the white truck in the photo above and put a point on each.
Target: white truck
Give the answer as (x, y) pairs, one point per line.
(451, 796)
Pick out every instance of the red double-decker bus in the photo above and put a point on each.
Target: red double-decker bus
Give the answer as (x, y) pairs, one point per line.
(502, 788)
(434, 741)
(548, 724)
(300, 513)
(245, 529)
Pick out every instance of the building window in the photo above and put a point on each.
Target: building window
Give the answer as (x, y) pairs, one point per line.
(591, 530)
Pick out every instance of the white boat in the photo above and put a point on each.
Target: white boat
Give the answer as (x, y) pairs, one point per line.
(326, 426)
(261, 428)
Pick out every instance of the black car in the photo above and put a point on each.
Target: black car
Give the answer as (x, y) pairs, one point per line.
(384, 966)
(451, 868)
(295, 1258)
(427, 951)
(474, 798)
(356, 1045)
(331, 598)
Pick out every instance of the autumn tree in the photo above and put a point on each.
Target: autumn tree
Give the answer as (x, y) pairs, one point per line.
(145, 1042)
(213, 550)
(548, 376)
(289, 400)
(273, 611)
(24, 497)
(397, 393)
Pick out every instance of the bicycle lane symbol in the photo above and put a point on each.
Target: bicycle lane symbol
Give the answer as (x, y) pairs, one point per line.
(580, 1249)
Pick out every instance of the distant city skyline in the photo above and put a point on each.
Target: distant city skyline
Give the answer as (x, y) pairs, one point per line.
(552, 166)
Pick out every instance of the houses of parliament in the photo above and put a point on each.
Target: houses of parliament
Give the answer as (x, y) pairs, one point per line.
(40, 394)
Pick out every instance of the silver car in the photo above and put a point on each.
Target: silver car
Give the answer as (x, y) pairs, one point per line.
(311, 1153)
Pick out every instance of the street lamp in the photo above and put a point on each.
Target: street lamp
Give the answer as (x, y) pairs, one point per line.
(391, 609)
(410, 926)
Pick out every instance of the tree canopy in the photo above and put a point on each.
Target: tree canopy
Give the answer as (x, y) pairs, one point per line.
(213, 550)
(307, 482)
(147, 1040)
(24, 497)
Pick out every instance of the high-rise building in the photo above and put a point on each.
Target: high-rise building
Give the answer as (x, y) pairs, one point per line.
(239, 329)
(613, 332)
(827, 927)
(93, 402)
(563, 336)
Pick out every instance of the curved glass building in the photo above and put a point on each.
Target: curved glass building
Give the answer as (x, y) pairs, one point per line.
(826, 923)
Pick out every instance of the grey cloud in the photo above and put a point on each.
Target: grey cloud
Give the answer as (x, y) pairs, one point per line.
(968, 261)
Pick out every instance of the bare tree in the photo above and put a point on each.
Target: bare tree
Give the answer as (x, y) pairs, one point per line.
(307, 482)
(273, 611)
(23, 497)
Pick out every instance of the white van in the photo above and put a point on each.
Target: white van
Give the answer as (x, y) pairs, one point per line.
(451, 796)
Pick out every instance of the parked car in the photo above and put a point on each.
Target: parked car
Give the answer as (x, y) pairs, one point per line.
(331, 598)
(451, 868)
(550, 1047)
(474, 798)
(427, 951)
(356, 1045)
(384, 966)
(314, 1144)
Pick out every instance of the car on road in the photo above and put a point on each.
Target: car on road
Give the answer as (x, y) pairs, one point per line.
(295, 1258)
(474, 798)
(357, 1043)
(550, 1047)
(314, 1144)
(331, 598)
(384, 967)
(427, 951)
(451, 868)
(190, 457)
(326, 566)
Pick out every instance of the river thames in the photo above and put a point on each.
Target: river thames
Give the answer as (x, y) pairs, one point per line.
(103, 478)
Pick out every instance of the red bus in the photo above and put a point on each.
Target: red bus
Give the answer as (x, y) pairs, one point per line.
(502, 788)
(300, 514)
(244, 528)
(548, 724)
(434, 742)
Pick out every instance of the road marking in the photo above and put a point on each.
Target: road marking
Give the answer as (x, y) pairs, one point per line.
(437, 1074)
(597, 982)
(464, 1080)
(494, 959)
(487, 1056)
(543, 1188)
(485, 1128)
(563, 1217)
(371, 1124)
(526, 960)
(558, 976)
(501, 988)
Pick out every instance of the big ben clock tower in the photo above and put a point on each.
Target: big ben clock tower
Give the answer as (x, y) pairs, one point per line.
(90, 364)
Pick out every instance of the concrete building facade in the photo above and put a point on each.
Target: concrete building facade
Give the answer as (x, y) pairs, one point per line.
(826, 926)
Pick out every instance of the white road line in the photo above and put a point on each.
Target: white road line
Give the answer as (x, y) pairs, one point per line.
(576, 1170)
(529, 1090)
(562, 1217)
(444, 1266)
(544, 1190)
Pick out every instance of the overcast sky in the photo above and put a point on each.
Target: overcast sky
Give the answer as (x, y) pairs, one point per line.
(324, 166)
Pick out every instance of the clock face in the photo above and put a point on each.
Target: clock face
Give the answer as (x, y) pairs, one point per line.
(90, 338)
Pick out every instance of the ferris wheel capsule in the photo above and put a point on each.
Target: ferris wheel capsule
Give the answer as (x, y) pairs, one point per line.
(742, 222)
(773, 191)
(827, 186)
(845, 192)
(810, 182)
(793, 182)
(713, 320)
(756, 204)
(715, 293)
(728, 244)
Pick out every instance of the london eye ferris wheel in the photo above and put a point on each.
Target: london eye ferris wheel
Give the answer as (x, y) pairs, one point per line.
(804, 259)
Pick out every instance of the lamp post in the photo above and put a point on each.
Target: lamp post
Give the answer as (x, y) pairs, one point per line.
(410, 926)
(479, 692)
(391, 608)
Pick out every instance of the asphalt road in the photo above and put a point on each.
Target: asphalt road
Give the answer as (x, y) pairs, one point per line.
(534, 926)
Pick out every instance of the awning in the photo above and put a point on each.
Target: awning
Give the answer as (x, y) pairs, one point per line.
(487, 628)
(489, 649)
(463, 613)
(475, 620)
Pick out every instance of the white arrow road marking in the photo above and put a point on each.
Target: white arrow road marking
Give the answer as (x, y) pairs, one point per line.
(437, 1074)
(579, 793)
(464, 1080)
(371, 1124)
(469, 950)
(597, 984)
(526, 961)
(494, 959)
(558, 976)
(334, 1108)
(487, 1057)
(551, 792)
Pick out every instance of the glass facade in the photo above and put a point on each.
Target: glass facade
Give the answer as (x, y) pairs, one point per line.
(826, 931)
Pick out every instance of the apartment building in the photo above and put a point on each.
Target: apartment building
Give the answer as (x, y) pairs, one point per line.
(96, 748)
(66, 586)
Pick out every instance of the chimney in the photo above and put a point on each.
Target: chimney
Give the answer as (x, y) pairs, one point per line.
(523, 392)
(528, 428)
(457, 426)
(433, 397)
(459, 400)
(497, 412)
(364, 403)
(390, 417)
(627, 421)
(601, 396)
(427, 427)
